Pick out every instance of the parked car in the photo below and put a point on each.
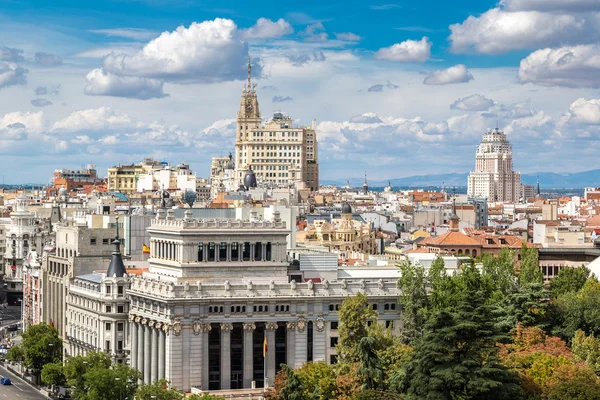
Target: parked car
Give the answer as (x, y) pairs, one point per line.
(5, 381)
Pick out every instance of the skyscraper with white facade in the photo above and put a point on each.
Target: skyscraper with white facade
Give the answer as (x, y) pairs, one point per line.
(494, 177)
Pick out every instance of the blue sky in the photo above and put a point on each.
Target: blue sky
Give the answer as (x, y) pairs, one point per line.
(397, 88)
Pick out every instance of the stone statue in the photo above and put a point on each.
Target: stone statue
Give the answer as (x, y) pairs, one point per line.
(272, 285)
(227, 286)
(325, 283)
(249, 286)
(293, 285)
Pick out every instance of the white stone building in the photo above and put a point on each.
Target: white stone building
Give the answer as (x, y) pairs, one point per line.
(494, 178)
(216, 289)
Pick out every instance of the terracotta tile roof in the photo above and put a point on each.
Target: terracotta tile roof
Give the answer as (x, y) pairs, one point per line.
(594, 220)
(450, 239)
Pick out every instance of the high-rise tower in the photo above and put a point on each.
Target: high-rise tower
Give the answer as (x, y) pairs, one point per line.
(494, 177)
(277, 152)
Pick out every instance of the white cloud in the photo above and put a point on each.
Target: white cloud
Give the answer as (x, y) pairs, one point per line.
(101, 83)
(11, 74)
(551, 5)
(575, 66)
(407, 51)
(267, 29)
(128, 33)
(210, 51)
(474, 102)
(33, 121)
(315, 33)
(584, 112)
(497, 31)
(456, 74)
(94, 120)
(349, 36)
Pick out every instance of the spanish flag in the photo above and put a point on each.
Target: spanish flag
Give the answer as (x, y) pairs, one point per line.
(145, 249)
(265, 347)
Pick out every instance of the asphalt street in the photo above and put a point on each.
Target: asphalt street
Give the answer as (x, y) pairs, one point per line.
(19, 390)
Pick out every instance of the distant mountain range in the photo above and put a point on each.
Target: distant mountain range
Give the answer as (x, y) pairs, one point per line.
(548, 180)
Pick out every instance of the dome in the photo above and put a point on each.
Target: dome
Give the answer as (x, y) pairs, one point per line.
(346, 209)
(250, 179)
(62, 191)
(230, 164)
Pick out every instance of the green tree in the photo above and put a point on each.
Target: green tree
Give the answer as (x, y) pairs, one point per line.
(440, 286)
(572, 382)
(569, 280)
(293, 388)
(318, 380)
(204, 396)
(159, 390)
(527, 305)
(118, 381)
(370, 369)
(76, 367)
(413, 298)
(457, 358)
(354, 314)
(53, 374)
(15, 353)
(580, 310)
(529, 271)
(500, 271)
(587, 348)
(41, 346)
(376, 395)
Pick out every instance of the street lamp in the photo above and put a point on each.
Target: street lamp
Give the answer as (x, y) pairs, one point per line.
(120, 393)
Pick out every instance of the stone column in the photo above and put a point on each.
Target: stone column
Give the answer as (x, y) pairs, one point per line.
(263, 253)
(205, 252)
(240, 252)
(300, 343)
(228, 251)
(147, 352)
(205, 329)
(270, 328)
(226, 355)
(252, 244)
(290, 343)
(161, 351)
(248, 354)
(319, 341)
(140, 344)
(154, 356)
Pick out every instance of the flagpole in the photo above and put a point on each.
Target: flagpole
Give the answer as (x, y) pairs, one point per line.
(265, 366)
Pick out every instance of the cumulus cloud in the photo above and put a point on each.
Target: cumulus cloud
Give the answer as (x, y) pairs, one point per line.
(376, 88)
(281, 99)
(11, 54)
(33, 121)
(571, 66)
(498, 31)
(127, 33)
(551, 5)
(93, 120)
(407, 51)
(348, 36)
(474, 102)
(584, 112)
(315, 33)
(40, 102)
(47, 59)
(267, 29)
(11, 74)
(101, 83)
(456, 74)
(206, 52)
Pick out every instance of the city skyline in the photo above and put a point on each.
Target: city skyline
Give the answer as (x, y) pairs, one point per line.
(396, 89)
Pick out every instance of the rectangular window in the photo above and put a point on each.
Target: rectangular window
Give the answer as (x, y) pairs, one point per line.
(334, 325)
(120, 327)
(389, 324)
(108, 309)
(120, 345)
(108, 326)
(105, 241)
(108, 288)
(93, 241)
(120, 309)
(107, 344)
(120, 289)
(333, 341)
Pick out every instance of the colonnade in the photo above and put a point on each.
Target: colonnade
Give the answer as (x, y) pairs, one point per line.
(226, 251)
(148, 339)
